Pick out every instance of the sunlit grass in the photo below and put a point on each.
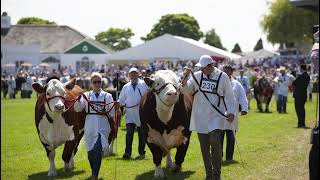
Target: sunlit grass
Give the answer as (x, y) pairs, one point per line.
(270, 144)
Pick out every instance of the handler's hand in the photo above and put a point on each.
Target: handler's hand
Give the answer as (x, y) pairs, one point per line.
(187, 71)
(230, 117)
(243, 113)
(186, 74)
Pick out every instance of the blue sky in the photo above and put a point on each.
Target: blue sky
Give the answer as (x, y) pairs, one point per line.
(235, 21)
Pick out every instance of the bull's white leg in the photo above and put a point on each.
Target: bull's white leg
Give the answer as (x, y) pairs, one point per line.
(52, 170)
(109, 149)
(169, 161)
(158, 172)
(68, 166)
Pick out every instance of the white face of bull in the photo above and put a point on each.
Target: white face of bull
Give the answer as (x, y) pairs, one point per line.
(54, 88)
(166, 82)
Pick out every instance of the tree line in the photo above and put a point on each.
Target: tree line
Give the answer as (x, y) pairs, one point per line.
(284, 25)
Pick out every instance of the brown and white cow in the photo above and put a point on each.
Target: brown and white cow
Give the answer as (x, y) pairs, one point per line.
(55, 124)
(165, 119)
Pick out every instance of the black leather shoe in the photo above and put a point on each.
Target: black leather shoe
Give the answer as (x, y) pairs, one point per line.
(140, 157)
(126, 156)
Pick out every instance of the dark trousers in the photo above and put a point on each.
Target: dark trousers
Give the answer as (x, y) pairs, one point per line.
(95, 157)
(24, 94)
(14, 94)
(314, 162)
(314, 154)
(301, 113)
(129, 138)
(5, 92)
(211, 152)
(282, 103)
(230, 143)
(310, 96)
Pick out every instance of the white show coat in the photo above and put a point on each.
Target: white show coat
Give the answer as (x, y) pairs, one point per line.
(244, 80)
(241, 99)
(11, 85)
(96, 124)
(131, 99)
(283, 82)
(27, 86)
(204, 117)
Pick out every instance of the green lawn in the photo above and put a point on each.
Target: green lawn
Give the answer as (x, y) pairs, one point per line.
(270, 144)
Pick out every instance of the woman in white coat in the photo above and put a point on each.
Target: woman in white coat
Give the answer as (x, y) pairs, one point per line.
(97, 127)
(231, 128)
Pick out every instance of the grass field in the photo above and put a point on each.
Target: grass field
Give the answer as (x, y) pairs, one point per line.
(270, 144)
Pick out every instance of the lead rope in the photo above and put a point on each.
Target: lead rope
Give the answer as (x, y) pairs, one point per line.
(237, 144)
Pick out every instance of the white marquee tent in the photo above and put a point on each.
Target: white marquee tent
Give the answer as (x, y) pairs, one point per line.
(260, 54)
(169, 47)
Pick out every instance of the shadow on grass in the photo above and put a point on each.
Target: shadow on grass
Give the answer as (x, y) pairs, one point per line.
(168, 175)
(132, 159)
(306, 127)
(227, 163)
(89, 178)
(264, 112)
(125, 129)
(61, 175)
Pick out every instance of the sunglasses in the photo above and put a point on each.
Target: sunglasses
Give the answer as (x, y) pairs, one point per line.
(95, 82)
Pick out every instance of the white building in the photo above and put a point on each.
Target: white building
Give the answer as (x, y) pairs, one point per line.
(54, 45)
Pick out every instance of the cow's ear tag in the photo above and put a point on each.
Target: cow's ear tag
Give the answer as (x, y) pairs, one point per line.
(149, 82)
(38, 87)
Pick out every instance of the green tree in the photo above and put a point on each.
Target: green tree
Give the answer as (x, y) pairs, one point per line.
(213, 39)
(259, 45)
(176, 24)
(286, 23)
(236, 49)
(115, 38)
(36, 21)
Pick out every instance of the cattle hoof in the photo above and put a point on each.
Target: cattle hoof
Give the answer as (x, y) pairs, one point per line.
(168, 165)
(106, 153)
(68, 166)
(159, 172)
(52, 173)
(169, 162)
(175, 168)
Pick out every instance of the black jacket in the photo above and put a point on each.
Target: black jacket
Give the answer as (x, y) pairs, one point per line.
(300, 86)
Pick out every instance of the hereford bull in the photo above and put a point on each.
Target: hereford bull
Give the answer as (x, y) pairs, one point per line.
(55, 123)
(165, 119)
(263, 90)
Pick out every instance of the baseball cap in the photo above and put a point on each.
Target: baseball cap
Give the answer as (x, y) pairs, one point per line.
(204, 61)
(133, 70)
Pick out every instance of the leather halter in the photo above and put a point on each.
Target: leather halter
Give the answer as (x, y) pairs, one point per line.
(48, 98)
(160, 89)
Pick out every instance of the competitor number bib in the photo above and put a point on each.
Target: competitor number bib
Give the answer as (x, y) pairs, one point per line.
(208, 85)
